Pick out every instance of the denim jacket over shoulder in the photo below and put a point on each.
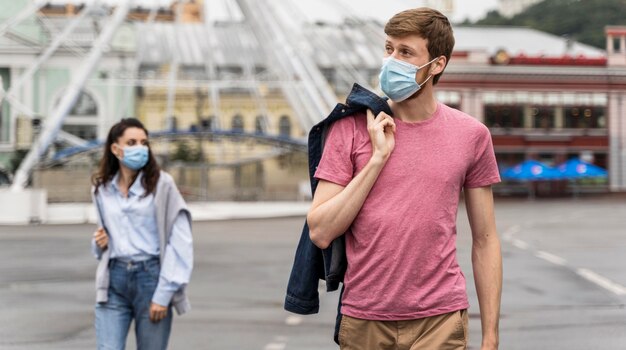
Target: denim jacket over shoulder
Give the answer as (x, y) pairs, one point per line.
(312, 263)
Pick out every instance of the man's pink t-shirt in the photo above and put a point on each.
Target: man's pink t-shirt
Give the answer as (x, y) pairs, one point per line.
(401, 247)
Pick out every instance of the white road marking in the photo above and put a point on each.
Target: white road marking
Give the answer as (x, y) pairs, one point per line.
(279, 343)
(602, 281)
(587, 274)
(274, 346)
(557, 260)
(508, 234)
(520, 244)
(293, 320)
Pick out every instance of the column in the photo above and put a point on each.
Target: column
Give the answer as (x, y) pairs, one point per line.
(12, 118)
(472, 104)
(559, 117)
(617, 141)
(528, 117)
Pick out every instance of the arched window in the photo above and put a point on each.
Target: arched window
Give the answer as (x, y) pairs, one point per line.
(85, 106)
(207, 123)
(284, 126)
(82, 120)
(259, 125)
(237, 123)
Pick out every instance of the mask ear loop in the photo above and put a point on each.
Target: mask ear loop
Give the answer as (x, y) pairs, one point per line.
(430, 73)
(431, 65)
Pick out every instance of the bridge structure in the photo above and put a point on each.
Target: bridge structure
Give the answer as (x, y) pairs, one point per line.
(277, 55)
(289, 70)
(278, 144)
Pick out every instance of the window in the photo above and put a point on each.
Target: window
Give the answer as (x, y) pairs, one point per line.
(4, 122)
(504, 116)
(237, 123)
(207, 123)
(583, 117)
(82, 120)
(5, 111)
(284, 126)
(543, 117)
(85, 106)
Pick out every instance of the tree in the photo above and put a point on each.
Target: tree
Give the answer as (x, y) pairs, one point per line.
(185, 153)
(580, 20)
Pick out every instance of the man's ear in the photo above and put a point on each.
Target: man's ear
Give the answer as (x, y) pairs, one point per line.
(439, 65)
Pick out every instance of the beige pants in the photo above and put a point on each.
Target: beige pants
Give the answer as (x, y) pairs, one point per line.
(441, 332)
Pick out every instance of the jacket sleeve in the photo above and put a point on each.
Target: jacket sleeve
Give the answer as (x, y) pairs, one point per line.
(95, 250)
(178, 261)
(308, 267)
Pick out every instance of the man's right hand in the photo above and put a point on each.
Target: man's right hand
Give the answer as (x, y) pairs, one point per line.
(382, 131)
(102, 239)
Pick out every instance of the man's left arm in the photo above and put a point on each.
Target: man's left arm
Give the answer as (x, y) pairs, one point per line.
(486, 261)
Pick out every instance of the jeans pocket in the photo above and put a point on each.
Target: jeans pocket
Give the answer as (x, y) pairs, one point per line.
(154, 270)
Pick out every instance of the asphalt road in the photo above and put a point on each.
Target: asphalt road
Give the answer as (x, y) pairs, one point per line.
(564, 283)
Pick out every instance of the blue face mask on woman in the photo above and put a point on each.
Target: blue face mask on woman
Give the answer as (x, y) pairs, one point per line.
(397, 78)
(135, 157)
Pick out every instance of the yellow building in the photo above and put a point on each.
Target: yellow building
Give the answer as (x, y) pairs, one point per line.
(187, 78)
(226, 167)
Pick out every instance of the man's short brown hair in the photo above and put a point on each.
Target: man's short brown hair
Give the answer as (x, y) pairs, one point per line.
(429, 24)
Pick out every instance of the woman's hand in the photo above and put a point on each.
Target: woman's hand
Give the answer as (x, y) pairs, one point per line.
(381, 129)
(157, 312)
(102, 239)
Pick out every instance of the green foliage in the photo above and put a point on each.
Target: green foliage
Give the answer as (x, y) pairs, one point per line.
(185, 153)
(581, 20)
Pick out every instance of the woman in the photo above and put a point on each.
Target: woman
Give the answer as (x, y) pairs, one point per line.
(143, 243)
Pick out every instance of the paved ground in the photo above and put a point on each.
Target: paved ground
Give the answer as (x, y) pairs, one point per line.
(564, 283)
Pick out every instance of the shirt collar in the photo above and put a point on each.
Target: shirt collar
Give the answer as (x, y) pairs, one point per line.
(136, 189)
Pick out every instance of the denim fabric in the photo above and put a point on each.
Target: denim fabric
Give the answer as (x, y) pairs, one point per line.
(311, 263)
(130, 293)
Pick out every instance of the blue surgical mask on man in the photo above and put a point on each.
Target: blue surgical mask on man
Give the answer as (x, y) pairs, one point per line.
(397, 78)
(135, 157)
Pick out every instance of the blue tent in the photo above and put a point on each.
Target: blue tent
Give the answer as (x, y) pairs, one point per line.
(577, 169)
(531, 170)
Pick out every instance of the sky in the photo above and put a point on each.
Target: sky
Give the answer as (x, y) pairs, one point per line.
(383, 10)
(329, 10)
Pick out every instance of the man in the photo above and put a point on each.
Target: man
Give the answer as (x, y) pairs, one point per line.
(393, 186)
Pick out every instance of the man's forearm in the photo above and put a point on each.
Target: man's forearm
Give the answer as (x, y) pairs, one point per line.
(332, 218)
(487, 266)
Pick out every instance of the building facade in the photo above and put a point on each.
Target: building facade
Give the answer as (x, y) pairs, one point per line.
(553, 104)
(101, 103)
(542, 97)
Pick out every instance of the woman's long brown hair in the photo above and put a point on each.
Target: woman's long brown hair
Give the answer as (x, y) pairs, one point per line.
(109, 164)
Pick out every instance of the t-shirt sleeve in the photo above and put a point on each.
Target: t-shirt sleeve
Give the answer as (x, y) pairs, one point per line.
(336, 164)
(484, 169)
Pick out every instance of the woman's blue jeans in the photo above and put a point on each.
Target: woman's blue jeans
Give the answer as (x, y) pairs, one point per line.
(131, 287)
